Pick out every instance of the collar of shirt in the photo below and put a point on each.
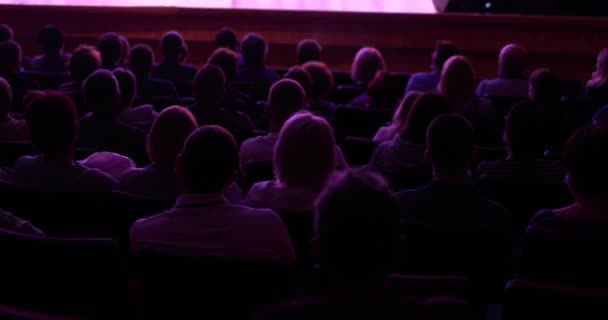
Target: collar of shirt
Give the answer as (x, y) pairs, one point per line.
(197, 200)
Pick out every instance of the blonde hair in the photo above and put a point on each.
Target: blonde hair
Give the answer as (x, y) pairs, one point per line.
(168, 134)
(599, 78)
(367, 62)
(400, 115)
(305, 152)
(457, 82)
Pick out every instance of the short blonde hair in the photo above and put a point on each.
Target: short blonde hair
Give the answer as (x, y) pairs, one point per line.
(367, 62)
(457, 82)
(305, 153)
(168, 133)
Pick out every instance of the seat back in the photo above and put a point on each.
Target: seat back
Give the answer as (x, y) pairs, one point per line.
(11, 151)
(358, 151)
(299, 225)
(359, 122)
(409, 178)
(578, 111)
(177, 287)
(344, 94)
(258, 171)
(429, 286)
(82, 277)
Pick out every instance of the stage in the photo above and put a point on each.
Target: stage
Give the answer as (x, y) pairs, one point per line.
(392, 6)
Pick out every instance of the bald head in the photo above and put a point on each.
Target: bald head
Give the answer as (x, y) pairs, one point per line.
(286, 97)
(101, 92)
(512, 61)
(6, 97)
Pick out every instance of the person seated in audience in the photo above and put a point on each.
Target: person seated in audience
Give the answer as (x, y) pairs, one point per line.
(252, 72)
(524, 139)
(83, 62)
(428, 81)
(228, 61)
(322, 84)
(597, 87)
(100, 129)
(209, 89)
(125, 48)
(11, 223)
(141, 62)
(10, 128)
(203, 222)
(389, 132)
(10, 65)
(544, 94)
(226, 38)
(368, 61)
(406, 149)
(381, 92)
(512, 81)
(303, 78)
(53, 127)
(304, 159)
(175, 51)
(6, 33)
(142, 115)
(109, 45)
(457, 84)
(308, 50)
(53, 60)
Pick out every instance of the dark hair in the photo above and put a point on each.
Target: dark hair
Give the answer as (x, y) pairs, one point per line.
(227, 60)
(358, 227)
(51, 39)
(6, 33)
(127, 85)
(173, 45)
(141, 59)
(322, 78)
(524, 130)
(10, 57)
(545, 86)
(301, 76)
(84, 61)
(253, 49)
(52, 122)
(209, 86)
(101, 93)
(225, 38)
(110, 46)
(585, 156)
(308, 50)
(450, 141)
(443, 51)
(425, 109)
(209, 159)
(286, 97)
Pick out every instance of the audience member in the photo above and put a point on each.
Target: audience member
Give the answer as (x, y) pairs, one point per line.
(406, 149)
(252, 72)
(368, 61)
(11, 223)
(53, 127)
(125, 48)
(50, 39)
(322, 84)
(389, 132)
(83, 62)
(202, 222)
(10, 64)
(226, 38)
(302, 77)
(381, 92)
(511, 81)
(308, 50)
(304, 159)
(101, 129)
(142, 115)
(597, 87)
(428, 81)
(524, 139)
(209, 90)
(228, 61)
(175, 52)
(141, 62)
(10, 128)
(544, 93)
(110, 47)
(6, 33)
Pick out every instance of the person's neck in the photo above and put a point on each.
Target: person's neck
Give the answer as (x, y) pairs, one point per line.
(65, 159)
(450, 177)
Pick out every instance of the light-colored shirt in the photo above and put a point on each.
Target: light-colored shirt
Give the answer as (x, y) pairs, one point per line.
(395, 155)
(503, 88)
(56, 63)
(423, 81)
(111, 163)
(144, 114)
(13, 130)
(207, 225)
(274, 195)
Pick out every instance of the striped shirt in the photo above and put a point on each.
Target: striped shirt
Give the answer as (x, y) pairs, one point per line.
(533, 171)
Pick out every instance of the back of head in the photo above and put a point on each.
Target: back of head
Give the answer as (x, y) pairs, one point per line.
(322, 78)
(358, 227)
(225, 38)
(173, 45)
(286, 97)
(125, 48)
(141, 60)
(380, 91)
(254, 49)
(450, 141)
(101, 93)
(168, 133)
(10, 57)
(52, 122)
(209, 86)
(443, 51)
(301, 76)
(599, 78)
(51, 39)
(424, 110)
(523, 129)
(209, 160)
(512, 61)
(6, 33)
(308, 50)
(84, 61)
(6, 97)
(127, 85)
(367, 62)
(305, 152)
(585, 157)
(544, 87)
(403, 109)
(227, 60)
(457, 81)
(110, 47)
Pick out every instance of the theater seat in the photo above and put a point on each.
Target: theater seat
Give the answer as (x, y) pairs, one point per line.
(359, 122)
(358, 151)
(299, 225)
(428, 286)
(258, 171)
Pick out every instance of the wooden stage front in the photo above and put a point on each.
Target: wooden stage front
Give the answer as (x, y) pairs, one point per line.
(565, 44)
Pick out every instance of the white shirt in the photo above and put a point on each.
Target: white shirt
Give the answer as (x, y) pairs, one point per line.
(144, 114)
(111, 163)
(207, 225)
(503, 88)
(397, 154)
(272, 194)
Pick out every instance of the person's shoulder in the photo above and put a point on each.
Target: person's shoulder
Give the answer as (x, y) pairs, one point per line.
(131, 174)
(542, 217)
(410, 195)
(143, 225)
(97, 179)
(28, 161)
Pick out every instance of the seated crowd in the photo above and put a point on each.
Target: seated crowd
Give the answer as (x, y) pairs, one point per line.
(123, 122)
